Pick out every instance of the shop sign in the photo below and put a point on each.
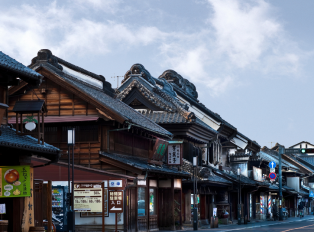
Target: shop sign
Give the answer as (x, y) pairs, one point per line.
(159, 150)
(116, 201)
(174, 154)
(88, 197)
(257, 174)
(15, 181)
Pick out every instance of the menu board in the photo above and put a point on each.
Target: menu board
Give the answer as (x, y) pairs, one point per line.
(174, 154)
(15, 181)
(88, 197)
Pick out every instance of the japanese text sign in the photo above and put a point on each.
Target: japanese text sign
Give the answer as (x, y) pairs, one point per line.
(174, 154)
(115, 201)
(15, 181)
(88, 197)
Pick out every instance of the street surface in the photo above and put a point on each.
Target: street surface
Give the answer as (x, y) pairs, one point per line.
(305, 224)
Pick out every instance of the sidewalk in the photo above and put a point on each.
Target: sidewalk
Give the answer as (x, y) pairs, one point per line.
(250, 224)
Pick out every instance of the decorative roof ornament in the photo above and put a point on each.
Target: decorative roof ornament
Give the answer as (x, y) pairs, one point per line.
(180, 82)
(139, 69)
(45, 55)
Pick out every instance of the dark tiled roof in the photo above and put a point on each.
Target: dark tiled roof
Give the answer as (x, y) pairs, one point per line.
(218, 179)
(233, 177)
(272, 156)
(111, 103)
(167, 117)
(308, 162)
(300, 162)
(21, 70)
(308, 158)
(28, 106)
(9, 138)
(141, 163)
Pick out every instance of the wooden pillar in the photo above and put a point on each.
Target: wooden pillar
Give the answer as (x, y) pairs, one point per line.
(203, 206)
(49, 205)
(181, 206)
(17, 123)
(172, 226)
(21, 122)
(188, 206)
(147, 205)
(38, 118)
(136, 209)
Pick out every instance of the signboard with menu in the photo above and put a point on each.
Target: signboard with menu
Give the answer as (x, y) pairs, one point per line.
(257, 174)
(174, 154)
(88, 197)
(15, 181)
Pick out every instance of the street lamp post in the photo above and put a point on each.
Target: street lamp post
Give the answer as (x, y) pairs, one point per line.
(71, 212)
(239, 198)
(195, 215)
(281, 151)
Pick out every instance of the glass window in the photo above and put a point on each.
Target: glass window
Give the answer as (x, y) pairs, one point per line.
(141, 202)
(152, 202)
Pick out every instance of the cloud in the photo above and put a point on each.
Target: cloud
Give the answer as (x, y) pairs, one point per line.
(58, 28)
(236, 36)
(109, 6)
(243, 31)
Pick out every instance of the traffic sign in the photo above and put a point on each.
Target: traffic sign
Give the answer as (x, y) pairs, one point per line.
(311, 194)
(272, 176)
(272, 170)
(115, 201)
(272, 164)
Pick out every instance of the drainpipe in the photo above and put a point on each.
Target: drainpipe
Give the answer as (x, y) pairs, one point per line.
(108, 135)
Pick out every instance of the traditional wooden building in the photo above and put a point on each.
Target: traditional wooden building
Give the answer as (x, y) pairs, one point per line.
(16, 150)
(110, 136)
(171, 101)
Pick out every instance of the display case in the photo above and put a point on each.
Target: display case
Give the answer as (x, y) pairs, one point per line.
(59, 207)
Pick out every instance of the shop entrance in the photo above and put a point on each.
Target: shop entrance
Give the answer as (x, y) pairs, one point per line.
(165, 208)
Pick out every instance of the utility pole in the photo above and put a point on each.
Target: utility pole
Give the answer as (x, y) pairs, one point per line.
(281, 150)
(195, 213)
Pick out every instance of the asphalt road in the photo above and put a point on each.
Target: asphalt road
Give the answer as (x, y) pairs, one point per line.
(298, 226)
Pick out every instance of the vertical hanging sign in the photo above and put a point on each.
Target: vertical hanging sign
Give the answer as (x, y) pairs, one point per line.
(160, 148)
(174, 154)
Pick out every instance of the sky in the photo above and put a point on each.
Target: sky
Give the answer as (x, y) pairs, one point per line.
(250, 60)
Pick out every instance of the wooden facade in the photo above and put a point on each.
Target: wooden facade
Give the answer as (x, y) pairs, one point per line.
(103, 133)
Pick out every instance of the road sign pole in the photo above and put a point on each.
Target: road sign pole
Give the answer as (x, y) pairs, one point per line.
(281, 151)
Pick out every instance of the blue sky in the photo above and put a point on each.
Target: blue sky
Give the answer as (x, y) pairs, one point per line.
(251, 61)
